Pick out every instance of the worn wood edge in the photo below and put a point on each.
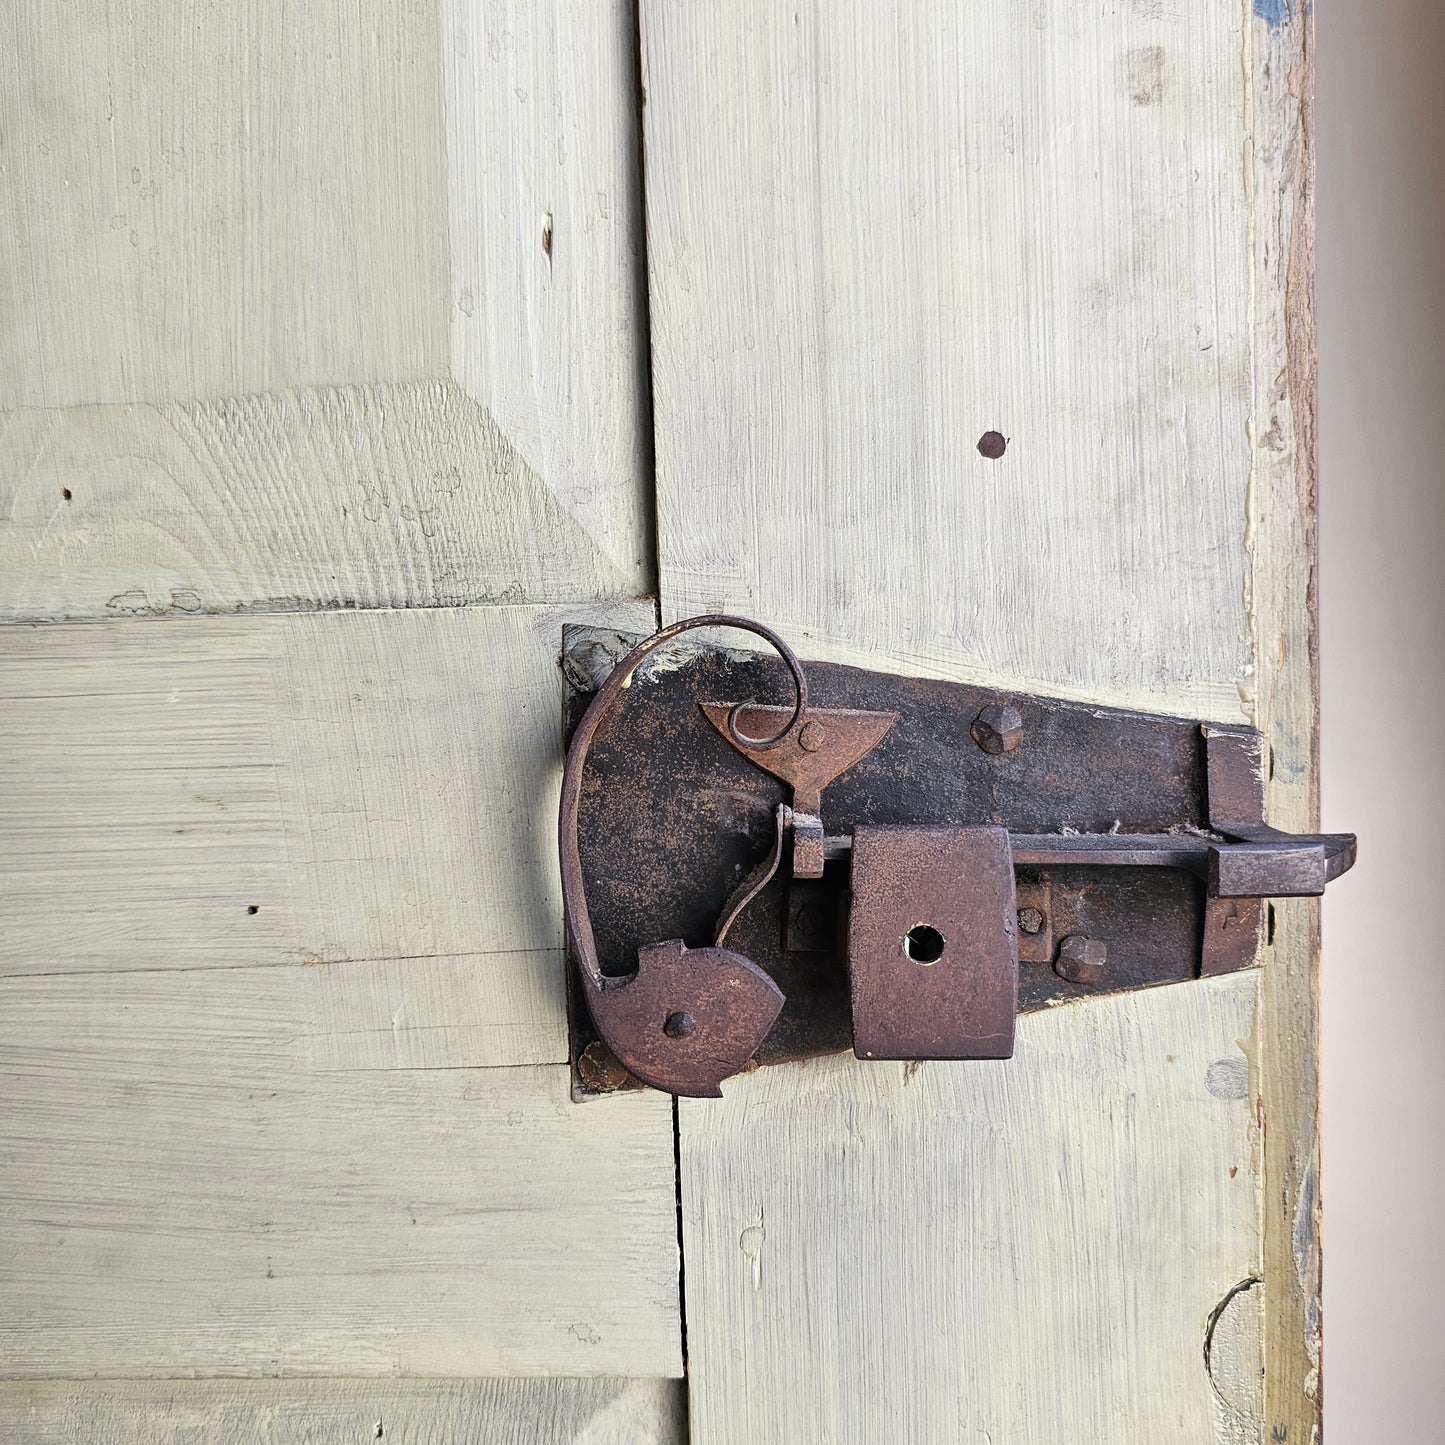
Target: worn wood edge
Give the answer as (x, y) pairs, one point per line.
(501, 1411)
(1209, 701)
(345, 497)
(1283, 702)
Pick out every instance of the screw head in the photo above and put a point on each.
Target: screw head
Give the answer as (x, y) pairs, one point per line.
(679, 1025)
(811, 736)
(1031, 921)
(1082, 959)
(998, 728)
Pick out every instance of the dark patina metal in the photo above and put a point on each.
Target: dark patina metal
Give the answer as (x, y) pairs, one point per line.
(1123, 828)
(1083, 960)
(682, 1019)
(956, 996)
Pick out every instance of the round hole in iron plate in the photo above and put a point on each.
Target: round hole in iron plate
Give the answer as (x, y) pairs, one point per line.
(923, 943)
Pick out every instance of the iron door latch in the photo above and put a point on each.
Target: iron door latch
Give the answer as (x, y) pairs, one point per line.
(976, 857)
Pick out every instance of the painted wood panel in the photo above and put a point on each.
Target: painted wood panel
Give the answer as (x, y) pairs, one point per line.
(873, 237)
(1027, 1250)
(284, 904)
(307, 309)
(345, 1412)
(166, 1213)
(302, 789)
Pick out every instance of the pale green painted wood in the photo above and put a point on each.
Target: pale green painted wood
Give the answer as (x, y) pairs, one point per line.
(344, 1412)
(277, 314)
(873, 235)
(876, 233)
(265, 1143)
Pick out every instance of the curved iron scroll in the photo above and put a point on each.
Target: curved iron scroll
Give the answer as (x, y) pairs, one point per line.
(686, 1018)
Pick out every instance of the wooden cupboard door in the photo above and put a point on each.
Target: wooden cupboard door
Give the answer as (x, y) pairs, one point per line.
(981, 349)
(322, 408)
(324, 403)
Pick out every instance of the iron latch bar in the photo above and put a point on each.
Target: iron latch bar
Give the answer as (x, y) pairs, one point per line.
(1269, 865)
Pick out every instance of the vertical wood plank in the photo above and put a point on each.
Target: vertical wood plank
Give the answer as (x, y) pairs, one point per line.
(1077, 227)
(1026, 1250)
(900, 231)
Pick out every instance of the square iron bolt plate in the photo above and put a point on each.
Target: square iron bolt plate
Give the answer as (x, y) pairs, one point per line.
(932, 943)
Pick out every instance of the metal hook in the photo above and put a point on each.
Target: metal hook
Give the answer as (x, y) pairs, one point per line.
(574, 901)
(685, 1018)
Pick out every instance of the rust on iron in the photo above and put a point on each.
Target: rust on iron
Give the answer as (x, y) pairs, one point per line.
(1036, 925)
(731, 1002)
(809, 854)
(831, 741)
(1119, 824)
(1231, 935)
(1082, 959)
(1254, 859)
(932, 960)
(758, 879)
(999, 728)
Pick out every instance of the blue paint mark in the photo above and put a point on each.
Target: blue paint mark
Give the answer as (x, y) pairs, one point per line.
(1274, 12)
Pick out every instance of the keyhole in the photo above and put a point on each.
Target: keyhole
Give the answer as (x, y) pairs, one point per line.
(923, 943)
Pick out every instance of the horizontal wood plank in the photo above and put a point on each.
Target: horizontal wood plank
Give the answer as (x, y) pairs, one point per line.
(301, 789)
(475, 1011)
(344, 1412)
(280, 887)
(300, 310)
(170, 1211)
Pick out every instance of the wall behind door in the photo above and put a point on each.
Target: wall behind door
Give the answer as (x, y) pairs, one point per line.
(1381, 211)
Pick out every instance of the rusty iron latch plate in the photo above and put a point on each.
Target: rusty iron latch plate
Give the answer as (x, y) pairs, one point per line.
(749, 844)
(932, 957)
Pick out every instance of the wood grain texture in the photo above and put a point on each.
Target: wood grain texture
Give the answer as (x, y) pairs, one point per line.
(252, 1143)
(167, 1213)
(1085, 228)
(1284, 700)
(874, 236)
(376, 785)
(344, 1412)
(1027, 1250)
(277, 325)
(474, 1011)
